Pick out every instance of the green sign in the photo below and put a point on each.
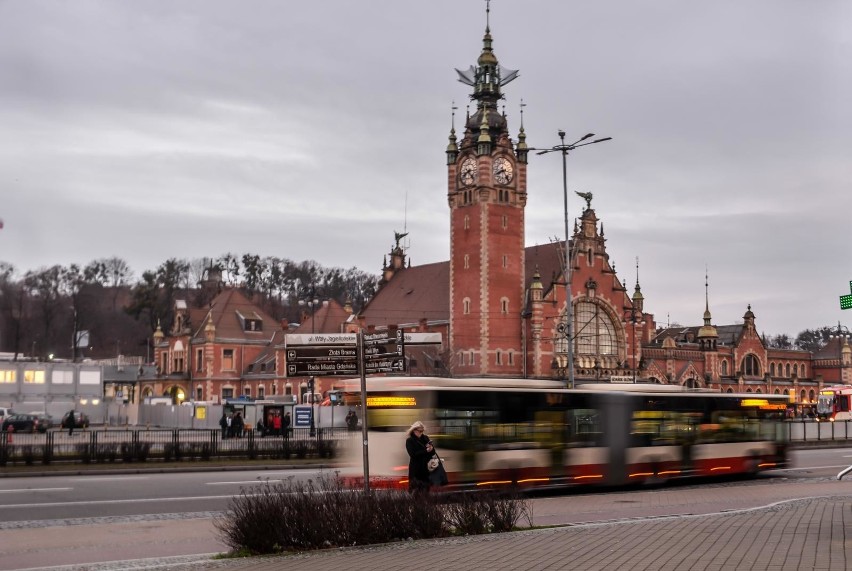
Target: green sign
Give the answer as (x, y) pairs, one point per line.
(846, 300)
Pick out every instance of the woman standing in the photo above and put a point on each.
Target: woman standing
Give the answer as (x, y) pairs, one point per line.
(419, 449)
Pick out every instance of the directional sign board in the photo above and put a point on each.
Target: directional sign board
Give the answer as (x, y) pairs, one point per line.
(320, 354)
(384, 352)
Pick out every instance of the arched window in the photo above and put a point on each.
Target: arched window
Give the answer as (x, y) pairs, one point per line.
(466, 305)
(504, 305)
(466, 261)
(729, 391)
(751, 366)
(804, 396)
(772, 369)
(724, 368)
(788, 370)
(796, 369)
(466, 222)
(594, 332)
(499, 357)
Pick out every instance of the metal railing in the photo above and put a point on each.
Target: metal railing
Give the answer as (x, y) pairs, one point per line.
(166, 445)
(130, 446)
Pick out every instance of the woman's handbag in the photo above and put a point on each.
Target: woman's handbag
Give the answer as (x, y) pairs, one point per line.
(433, 463)
(438, 476)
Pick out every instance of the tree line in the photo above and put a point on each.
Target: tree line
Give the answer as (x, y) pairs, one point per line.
(102, 310)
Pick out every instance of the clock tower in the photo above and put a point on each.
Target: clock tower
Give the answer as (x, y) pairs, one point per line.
(487, 194)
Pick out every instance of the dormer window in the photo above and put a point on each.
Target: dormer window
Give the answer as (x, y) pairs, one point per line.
(250, 322)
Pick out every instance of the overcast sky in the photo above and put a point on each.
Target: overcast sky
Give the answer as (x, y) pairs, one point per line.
(314, 130)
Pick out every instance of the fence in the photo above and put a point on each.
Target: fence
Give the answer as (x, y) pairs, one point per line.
(134, 446)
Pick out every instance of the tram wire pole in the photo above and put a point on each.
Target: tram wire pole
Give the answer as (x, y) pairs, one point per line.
(564, 148)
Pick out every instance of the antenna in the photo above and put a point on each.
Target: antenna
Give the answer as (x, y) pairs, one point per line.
(407, 244)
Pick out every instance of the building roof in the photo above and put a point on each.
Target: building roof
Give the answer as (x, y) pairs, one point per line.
(228, 312)
(412, 294)
(728, 335)
(423, 292)
(329, 317)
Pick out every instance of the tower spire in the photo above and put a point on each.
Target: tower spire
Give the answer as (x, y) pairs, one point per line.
(707, 335)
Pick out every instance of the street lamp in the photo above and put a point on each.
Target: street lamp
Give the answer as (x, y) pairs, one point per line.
(564, 148)
(311, 303)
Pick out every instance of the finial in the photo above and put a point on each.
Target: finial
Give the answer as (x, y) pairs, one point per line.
(453, 109)
(706, 289)
(487, 15)
(637, 272)
(522, 113)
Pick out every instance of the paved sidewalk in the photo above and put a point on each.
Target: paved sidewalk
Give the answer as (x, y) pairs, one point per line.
(814, 534)
(773, 525)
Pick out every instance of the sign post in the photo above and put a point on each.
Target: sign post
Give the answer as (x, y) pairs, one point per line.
(365, 440)
(322, 354)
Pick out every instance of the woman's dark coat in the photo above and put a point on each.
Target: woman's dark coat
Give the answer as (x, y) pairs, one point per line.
(418, 470)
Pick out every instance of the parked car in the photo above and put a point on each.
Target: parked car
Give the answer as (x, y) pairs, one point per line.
(24, 423)
(45, 421)
(4, 412)
(80, 420)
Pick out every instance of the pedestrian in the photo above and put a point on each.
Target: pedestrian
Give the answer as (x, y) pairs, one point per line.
(351, 420)
(420, 449)
(71, 422)
(286, 424)
(237, 425)
(276, 424)
(224, 422)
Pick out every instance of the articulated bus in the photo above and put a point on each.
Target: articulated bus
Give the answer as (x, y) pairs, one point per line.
(536, 433)
(835, 403)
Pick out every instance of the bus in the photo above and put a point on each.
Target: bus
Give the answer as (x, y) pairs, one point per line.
(835, 403)
(537, 433)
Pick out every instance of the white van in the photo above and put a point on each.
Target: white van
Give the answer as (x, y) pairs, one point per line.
(4, 412)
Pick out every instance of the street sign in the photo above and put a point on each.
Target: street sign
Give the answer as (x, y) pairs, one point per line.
(317, 368)
(303, 416)
(314, 353)
(385, 365)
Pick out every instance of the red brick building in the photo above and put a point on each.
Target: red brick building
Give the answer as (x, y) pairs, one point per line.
(499, 305)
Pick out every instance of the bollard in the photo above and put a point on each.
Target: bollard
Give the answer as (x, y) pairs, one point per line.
(844, 472)
(11, 431)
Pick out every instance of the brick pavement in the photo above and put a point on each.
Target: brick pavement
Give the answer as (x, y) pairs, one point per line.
(807, 534)
(772, 525)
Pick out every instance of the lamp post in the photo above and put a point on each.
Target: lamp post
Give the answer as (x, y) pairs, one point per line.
(311, 303)
(313, 430)
(564, 148)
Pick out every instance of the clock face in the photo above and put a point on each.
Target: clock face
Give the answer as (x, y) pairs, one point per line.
(468, 171)
(503, 171)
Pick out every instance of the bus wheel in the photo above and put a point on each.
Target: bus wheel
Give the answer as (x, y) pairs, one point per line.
(752, 465)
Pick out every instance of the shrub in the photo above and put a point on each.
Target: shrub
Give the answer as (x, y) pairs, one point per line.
(106, 452)
(296, 516)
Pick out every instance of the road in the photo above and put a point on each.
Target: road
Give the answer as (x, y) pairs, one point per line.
(51, 521)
